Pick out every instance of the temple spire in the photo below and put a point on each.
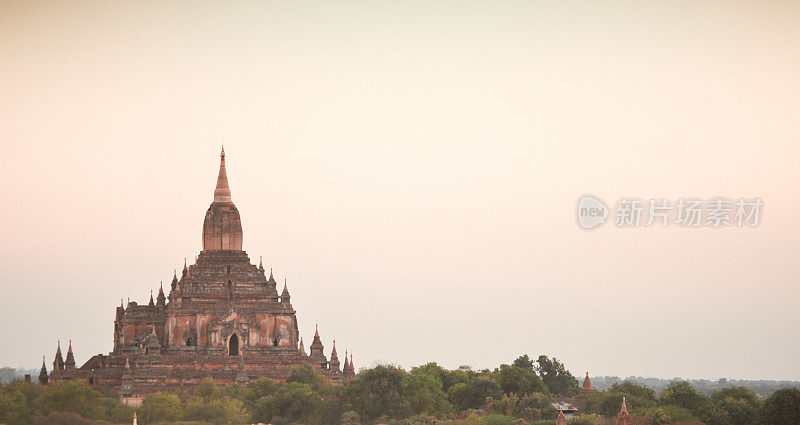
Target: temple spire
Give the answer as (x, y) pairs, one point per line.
(623, 417)
(161, 299)
(285, 298)
(334, 363)
(58, 362)
(561, 419)
(222, 193)
(43, 378)
(69, 363)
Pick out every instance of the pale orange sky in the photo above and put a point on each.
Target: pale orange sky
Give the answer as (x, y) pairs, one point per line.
(412, 169)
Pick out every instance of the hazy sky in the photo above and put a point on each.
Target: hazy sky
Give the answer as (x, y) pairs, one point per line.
(412, 169)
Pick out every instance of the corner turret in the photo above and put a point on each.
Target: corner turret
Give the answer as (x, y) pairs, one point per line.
(58, 363)
(43, 378)
(70, 362)
(317, 356)
(334, 363)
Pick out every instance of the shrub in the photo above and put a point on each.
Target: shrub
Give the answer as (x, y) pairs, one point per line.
(677, 413)
(495, 419)
(657, 416)
(62, 418)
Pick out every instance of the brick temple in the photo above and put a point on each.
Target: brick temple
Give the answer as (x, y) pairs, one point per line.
(223, 318)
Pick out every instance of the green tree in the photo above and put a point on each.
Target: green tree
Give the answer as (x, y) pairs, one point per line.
(69, 396)
(474, 394)
(520, 381)
(160, 407)
(423, 391)
(536, 406)
(378, 392)
(556, 377)
(677, 413)
(121, 414)
(292, 401)
(607, 403)
(305, 374)
(220, 411)
(29, 390)
(585, 420)
(61, 418)
(741, 405)
(447, 377)
(524, 362)
(684, 395)
(258, 390)
(207, 389)
(14, 408)
(782, 408)
(457, 395)
(657, 416)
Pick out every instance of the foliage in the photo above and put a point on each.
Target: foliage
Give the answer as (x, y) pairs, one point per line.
(13, 407)
(423, 391)
(657, 416)
(556, 377)
(536, 406)
(293, 401)
(496, 419)
(762, 388)
(447, 377)
(677, 413)
(426, 395)
(741, 406)
(519, 380)
(378, 392)
(782, 408)
(257, 390)
(638, 398)
(305, 374)
(586, 420)
(475, 393)
(524, 362)
(224, 410)
(62, 418)
(684, 395)
(159, 407)
(70, 396)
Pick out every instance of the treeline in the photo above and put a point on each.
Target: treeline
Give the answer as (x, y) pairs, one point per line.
(519, 393)
(762, 388)
(8, 374)
(680, 403)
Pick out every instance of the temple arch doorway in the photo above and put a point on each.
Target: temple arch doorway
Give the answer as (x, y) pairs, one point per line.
(233, 345)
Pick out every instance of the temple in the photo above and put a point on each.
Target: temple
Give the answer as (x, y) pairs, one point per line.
(223, 319)
(586, 391)
(623, 417)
